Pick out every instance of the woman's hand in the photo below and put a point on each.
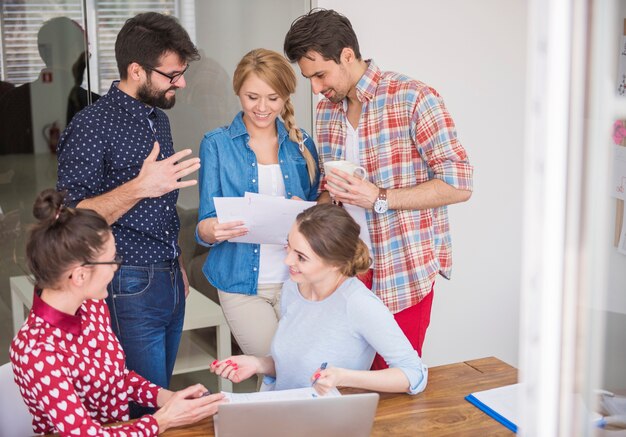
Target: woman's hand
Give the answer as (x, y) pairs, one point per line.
(236, 368)
(163, 396)
(327, 379)
(211, 231)
(186, 406)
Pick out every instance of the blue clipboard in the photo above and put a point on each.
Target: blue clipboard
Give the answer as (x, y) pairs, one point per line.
(500, 403)
(491, 413)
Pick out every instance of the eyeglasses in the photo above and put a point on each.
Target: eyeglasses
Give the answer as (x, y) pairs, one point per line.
(117, 261)
(172, 77)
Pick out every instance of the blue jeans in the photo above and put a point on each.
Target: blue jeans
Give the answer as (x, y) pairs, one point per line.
(147, 305)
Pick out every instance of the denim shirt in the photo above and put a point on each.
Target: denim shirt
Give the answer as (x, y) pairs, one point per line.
(229, 169)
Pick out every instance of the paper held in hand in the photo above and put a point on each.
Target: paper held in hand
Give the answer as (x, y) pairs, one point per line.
(267, 218)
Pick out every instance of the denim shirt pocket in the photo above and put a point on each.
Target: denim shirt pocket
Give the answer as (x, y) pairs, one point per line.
(294, 170)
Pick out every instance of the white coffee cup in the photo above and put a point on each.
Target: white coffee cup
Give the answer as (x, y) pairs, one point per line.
(346, 166)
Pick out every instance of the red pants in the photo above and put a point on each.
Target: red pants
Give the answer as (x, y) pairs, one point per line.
(413, 321)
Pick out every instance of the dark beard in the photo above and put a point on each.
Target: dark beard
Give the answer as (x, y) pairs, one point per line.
(150, 97)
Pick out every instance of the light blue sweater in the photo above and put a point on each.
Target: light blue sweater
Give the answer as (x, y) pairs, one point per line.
(345, 330)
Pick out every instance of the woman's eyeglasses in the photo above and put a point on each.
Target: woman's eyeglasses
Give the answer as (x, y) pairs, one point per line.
(117, 261)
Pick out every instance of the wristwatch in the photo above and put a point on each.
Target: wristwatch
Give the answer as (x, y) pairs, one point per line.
(380, 205)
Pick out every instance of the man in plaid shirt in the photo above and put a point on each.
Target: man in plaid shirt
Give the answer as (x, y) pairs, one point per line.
(399, 130)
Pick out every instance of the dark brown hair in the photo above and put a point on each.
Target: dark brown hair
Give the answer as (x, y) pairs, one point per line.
(334, 236)
(62, 237)
(326, 32)
(144, 38)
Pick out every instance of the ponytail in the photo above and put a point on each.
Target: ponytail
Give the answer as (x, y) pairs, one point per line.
(295, 135)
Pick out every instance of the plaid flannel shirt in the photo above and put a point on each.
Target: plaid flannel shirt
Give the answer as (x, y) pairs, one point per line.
(406, 137)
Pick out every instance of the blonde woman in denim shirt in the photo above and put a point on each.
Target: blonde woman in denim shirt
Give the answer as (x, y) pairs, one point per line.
(258, 153)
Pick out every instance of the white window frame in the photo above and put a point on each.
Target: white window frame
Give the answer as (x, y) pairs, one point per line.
(571, 108)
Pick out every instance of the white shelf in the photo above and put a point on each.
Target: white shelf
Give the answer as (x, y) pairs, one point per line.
(201, 312)
(192, 354)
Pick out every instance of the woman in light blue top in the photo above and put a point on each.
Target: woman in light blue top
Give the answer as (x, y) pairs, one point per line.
(329, 317)
(257, 153)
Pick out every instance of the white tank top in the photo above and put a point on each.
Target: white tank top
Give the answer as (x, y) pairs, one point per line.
(272, 268)
(352, 155)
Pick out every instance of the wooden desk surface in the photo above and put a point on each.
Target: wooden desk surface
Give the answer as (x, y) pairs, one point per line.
(440, 410)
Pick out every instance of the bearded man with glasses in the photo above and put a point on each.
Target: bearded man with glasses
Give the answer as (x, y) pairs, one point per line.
(117, 158)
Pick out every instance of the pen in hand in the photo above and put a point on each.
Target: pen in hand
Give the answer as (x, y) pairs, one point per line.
(322, 367)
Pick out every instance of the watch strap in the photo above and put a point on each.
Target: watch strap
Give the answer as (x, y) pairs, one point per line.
(382, 194)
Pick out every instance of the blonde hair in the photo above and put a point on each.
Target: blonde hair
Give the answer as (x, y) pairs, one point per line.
(272, 68)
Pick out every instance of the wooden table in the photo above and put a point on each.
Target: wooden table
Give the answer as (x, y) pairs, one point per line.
(440, 410)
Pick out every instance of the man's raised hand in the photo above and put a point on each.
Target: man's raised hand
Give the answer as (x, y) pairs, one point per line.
(157, 178)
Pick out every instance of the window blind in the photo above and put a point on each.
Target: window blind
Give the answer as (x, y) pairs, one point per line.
(110, 17)
(21, 19)
(20, 22)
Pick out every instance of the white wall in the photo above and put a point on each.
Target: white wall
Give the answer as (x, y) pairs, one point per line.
(474, 54)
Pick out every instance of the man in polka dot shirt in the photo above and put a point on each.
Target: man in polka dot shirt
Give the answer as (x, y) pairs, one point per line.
(117, 158)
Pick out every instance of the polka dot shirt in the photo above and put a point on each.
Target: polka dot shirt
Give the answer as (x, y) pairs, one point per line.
(104, 147)
(72, 375)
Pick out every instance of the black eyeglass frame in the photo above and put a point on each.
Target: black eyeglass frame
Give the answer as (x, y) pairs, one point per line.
(117, 261)
(172, 77)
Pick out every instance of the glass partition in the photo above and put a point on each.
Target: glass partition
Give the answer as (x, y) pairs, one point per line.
(43, 56)
(573, 341)
(49, 72)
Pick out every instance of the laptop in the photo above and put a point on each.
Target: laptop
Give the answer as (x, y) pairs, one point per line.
(348, 415)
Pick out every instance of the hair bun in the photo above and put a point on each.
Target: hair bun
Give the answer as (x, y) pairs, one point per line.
(362, 260)
(47, 205)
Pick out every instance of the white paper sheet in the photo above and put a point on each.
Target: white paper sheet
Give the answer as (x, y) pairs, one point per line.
(502, 400)
(278, 395)
(267, 218)
(506, 401)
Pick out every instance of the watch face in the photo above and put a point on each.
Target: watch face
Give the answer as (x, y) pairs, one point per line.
(380, 206)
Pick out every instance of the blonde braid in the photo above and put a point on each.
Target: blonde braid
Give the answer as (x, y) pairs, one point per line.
(295, 135)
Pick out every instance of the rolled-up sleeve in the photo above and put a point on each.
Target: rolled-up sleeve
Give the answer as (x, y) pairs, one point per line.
(434, 133)
(376, 324)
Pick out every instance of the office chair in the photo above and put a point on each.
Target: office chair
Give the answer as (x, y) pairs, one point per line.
(15, 420)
